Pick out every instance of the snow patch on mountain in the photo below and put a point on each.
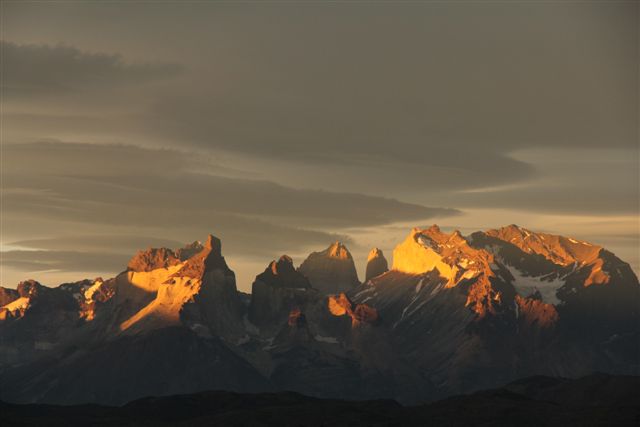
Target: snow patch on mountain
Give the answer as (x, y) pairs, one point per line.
(427, 243)
(527, 285)
(330, 340)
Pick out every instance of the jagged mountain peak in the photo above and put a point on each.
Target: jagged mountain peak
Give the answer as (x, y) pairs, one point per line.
(341, 305)
(375, 253)
(284, 265)
(208, 259)
(8, 295)
(153, 258)
(424, 250)
(435, 237)
(276, 291)
(189, 250)
(282, 273)
(213, 243)
(199, 292)
(338, 250)
(331, 270)
(564, 252)
(558, 249)
(376, 264)
(28, 288)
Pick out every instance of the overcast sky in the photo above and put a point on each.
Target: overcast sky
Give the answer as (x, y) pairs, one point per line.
(281, 127)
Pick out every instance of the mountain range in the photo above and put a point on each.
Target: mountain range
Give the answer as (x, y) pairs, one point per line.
(454, 314)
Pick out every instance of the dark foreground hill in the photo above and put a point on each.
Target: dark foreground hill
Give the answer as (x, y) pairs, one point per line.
(595, 400)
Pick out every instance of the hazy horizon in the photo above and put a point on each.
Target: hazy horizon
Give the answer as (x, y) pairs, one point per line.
(282, 127)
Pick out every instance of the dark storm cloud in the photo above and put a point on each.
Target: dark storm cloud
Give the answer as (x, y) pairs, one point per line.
(35, 69)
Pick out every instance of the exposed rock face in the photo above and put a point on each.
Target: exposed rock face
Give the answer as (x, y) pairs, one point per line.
(209, 258)
(89, 294)
(36, 298)
(282, 274)
(30, 288)
(152, 259)
(296, 318)
(278, 291)
(14, 309)
(376, 264)
(416, 255)
(40, 320)
(534, 312)
(456, 263)
(155, 258)
(341, 305)
(331, 271)
(562, 251)
(560, 269)
(216, 303)
(20, 299)
(294, 333)
(8, 295)
(200, 292)
(189, 250)
(557, 249)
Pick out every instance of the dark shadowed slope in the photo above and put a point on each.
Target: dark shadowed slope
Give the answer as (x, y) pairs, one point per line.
(537, 401)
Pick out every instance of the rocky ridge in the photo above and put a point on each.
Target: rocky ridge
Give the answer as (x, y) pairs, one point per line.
(331, 271)
(376, 264)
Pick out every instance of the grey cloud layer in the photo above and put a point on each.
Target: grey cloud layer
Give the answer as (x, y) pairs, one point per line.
(41, 69)
(172, 195)
(97, 243)
(37, 261)
(158, 184)
(588, 181)
(404, 101)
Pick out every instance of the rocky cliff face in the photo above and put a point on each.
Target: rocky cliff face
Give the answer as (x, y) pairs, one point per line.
(199, 292)
(8, 295)
(278, 291)
(40, 319)
(341, 306)
(332, 270)
(376, 264)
